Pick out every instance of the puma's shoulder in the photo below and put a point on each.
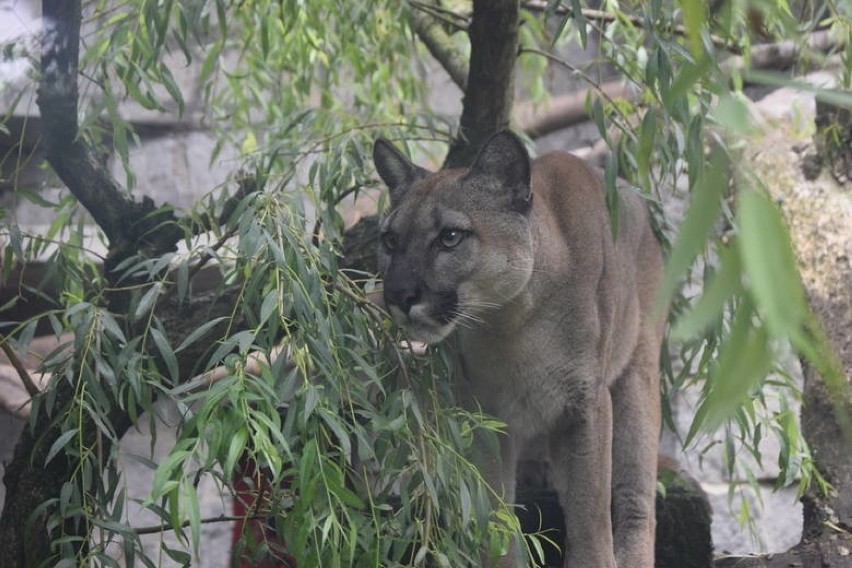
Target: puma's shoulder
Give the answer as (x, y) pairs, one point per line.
(574, 192)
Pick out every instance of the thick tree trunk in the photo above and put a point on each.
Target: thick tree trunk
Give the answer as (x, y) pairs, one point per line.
(491, 79)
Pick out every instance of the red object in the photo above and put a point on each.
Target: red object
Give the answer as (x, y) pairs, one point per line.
(255, 543)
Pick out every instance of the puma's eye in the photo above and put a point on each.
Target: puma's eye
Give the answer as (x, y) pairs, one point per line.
(452, 237)
(389, 241)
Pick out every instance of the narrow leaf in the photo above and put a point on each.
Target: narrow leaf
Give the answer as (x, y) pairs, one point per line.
(703, 211)
(694, 16)
(166, 353)
(744, 360)
(59, 443)
(147, 301)
(767, 258)
(725, 282)
(199, 333)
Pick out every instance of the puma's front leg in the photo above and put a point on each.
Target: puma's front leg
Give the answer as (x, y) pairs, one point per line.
(636, 403)
(581, 462)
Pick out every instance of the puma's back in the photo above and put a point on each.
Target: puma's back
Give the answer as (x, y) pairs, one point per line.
(555, 322)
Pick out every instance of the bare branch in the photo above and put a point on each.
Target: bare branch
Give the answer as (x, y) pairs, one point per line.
(457, 20)
(566, 110)
(155, 529)
(782, 54)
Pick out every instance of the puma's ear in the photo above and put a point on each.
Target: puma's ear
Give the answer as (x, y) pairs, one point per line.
(394, 168)
(505, 158)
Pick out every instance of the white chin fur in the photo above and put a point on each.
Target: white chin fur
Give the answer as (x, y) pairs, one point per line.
(419, 327)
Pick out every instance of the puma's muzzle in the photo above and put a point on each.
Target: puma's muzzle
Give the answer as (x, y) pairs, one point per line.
(425, 315)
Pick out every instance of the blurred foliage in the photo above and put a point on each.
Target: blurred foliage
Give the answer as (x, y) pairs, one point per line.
(367, 455)
(731, 281)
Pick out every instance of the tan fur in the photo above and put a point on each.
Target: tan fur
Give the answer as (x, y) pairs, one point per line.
(553, 321)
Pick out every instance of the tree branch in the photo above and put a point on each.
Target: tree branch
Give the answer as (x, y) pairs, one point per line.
(566, 110)
(31, 387)
(608, 17)
(439, 43)
(155, 529)
(779, 55)
(124, 221)
(31, 481)
(489, 94)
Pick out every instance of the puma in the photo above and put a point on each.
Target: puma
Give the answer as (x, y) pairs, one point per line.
(554, 321)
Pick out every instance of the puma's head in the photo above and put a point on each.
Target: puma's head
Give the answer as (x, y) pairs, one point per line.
(456, 243)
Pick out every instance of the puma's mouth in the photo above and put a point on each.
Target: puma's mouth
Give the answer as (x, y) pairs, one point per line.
(420, 326)
(429, 321)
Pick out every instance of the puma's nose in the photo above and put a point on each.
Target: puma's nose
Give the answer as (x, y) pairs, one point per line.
(403, 298)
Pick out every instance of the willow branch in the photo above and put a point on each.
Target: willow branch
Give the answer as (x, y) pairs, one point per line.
(609, 17)
(154, 529)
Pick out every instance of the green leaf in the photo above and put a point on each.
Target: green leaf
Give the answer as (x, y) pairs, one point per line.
(733, 114)
(165, 472)
(774, 79)
(645, 146)
(210, 61)
(111, 326)
(612, 197)
(240, 340)
(166, 353)
(193, 511)
(599, 118)
(340, 433)
(269, 306)
(147, 302)
(767, 257)
(689, 75)
(235, 449)
(724, 284)
(579, 21)
(704, 209)
(59, 444)
(182, 280)
(744, 360)
(171, 86)
(199, 333)
(182, 557)
(466, 504)
(694, 16)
